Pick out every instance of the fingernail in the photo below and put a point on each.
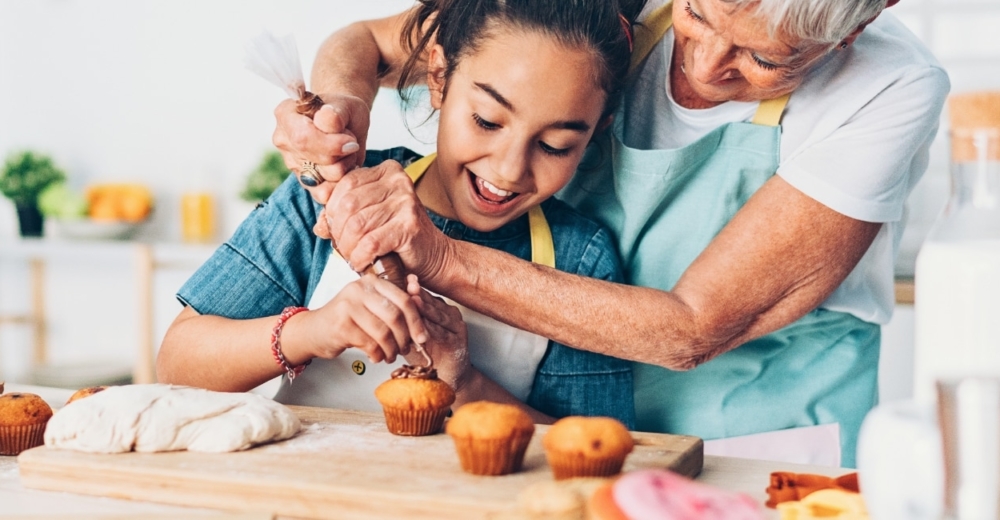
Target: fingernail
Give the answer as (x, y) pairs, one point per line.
(326, 107)
(350, 148)
(421, 338)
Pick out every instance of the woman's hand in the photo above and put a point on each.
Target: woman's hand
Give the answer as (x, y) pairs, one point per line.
(374, 211)
(448, 343)
(369, 314)
(334, 139)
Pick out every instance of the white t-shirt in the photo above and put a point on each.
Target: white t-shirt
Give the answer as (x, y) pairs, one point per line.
(855, 137)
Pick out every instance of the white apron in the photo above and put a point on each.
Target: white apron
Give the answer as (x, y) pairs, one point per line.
(507, 355)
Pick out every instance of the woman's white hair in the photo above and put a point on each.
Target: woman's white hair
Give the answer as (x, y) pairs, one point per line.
(821, 21)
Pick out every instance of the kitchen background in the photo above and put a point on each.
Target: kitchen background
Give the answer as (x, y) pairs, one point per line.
(155, 92)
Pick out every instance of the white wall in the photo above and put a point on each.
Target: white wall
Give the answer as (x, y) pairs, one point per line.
(155, 91)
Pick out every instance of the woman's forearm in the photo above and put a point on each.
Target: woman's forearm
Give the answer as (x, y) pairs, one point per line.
(779, 258)
(359, 58)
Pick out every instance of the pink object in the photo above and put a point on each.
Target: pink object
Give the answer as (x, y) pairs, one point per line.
(661, 495)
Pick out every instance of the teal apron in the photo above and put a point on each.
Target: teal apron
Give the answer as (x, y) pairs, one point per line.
(664, 207)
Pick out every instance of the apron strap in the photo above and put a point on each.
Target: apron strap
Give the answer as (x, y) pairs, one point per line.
(650, 32)
(655, 26)
(769, 111)
(543, 250)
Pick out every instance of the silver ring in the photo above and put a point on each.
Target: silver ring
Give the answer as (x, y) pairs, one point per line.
(308, 175)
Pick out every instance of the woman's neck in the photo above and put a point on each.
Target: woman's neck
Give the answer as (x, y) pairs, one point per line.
(432, 194)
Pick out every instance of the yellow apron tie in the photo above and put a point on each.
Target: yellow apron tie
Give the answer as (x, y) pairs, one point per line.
(652, 30)
(543, 251)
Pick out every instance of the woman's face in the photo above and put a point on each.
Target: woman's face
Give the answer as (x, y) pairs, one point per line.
(514, 122)
(723, 53)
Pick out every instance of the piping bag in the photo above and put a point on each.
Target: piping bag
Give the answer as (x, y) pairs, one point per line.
(277, 60)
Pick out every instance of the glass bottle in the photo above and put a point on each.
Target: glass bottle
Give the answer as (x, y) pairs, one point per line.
(957, 300)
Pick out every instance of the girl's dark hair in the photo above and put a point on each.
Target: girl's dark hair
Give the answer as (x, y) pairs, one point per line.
(460, 26)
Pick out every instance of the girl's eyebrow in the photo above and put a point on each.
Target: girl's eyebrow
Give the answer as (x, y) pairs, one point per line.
(576, 126)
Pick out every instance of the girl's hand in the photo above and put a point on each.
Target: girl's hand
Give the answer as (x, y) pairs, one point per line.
(448, 345)
(374, 211)
(370, 314)
(334, 139)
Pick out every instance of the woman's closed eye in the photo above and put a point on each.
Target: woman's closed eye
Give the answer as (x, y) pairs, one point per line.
(697, 17)
(761, 63)
(484, 124)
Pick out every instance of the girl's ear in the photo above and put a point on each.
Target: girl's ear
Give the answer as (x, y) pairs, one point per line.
(604, 124)
(436, 67)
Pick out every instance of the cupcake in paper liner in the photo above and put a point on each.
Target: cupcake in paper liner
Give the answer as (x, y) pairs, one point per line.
(490, 438)
(415, 406)
(586, 447)
(22, 422)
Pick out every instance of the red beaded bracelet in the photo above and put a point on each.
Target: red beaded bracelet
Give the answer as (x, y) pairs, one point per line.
(279, 357)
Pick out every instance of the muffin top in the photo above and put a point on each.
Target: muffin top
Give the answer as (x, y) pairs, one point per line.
(23, 410)
(589, 436)
(486, 420)
(415, 394)
(84, 392)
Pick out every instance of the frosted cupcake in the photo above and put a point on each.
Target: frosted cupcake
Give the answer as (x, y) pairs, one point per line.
(415, 401)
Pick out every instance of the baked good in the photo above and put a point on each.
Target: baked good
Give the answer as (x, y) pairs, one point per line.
(586, 447)
(558, 499)
(415, 405)
(661, 495)
(490, 438)
(84, 392)
(22, 422)
(832, 503)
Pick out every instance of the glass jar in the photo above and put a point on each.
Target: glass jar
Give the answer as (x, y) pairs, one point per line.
(957, 299)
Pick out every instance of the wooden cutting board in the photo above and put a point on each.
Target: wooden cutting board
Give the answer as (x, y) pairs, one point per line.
(342, 465)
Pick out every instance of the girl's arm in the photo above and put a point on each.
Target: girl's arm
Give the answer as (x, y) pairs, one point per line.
(235, 355)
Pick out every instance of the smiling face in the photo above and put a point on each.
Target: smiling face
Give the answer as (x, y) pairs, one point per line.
(515, 119)
(723, 53)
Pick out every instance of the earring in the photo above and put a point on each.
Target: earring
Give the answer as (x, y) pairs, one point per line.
(843, 45)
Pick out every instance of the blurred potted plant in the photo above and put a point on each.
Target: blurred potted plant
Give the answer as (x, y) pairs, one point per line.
(24, 176)
(261, 182)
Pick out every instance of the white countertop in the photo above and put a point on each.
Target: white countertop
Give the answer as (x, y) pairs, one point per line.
(743, 475)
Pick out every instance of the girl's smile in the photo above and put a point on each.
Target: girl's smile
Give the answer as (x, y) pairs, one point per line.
(515, 118)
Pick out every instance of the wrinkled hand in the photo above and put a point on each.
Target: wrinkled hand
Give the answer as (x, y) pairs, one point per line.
(448, 343)
(334, 139)
(369, 314)
(374, 211)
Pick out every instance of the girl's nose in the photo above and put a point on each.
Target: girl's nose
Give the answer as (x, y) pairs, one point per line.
(510, 162)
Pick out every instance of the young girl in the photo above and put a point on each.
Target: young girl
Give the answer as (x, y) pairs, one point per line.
(521, 86)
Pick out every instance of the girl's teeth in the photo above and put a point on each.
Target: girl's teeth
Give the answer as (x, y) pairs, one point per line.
(496, 191)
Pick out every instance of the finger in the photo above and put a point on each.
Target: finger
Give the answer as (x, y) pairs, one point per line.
(320, 229)
(298, 134)
(414, 326)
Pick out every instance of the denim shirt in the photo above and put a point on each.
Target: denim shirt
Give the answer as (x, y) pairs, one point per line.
(274, 261)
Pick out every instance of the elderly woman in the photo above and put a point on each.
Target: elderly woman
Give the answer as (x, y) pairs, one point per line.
(755, 178)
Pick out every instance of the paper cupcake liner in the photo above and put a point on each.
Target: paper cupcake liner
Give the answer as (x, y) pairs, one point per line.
(492, 456)
(414, 422)
(569, 465)
(15, 439)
